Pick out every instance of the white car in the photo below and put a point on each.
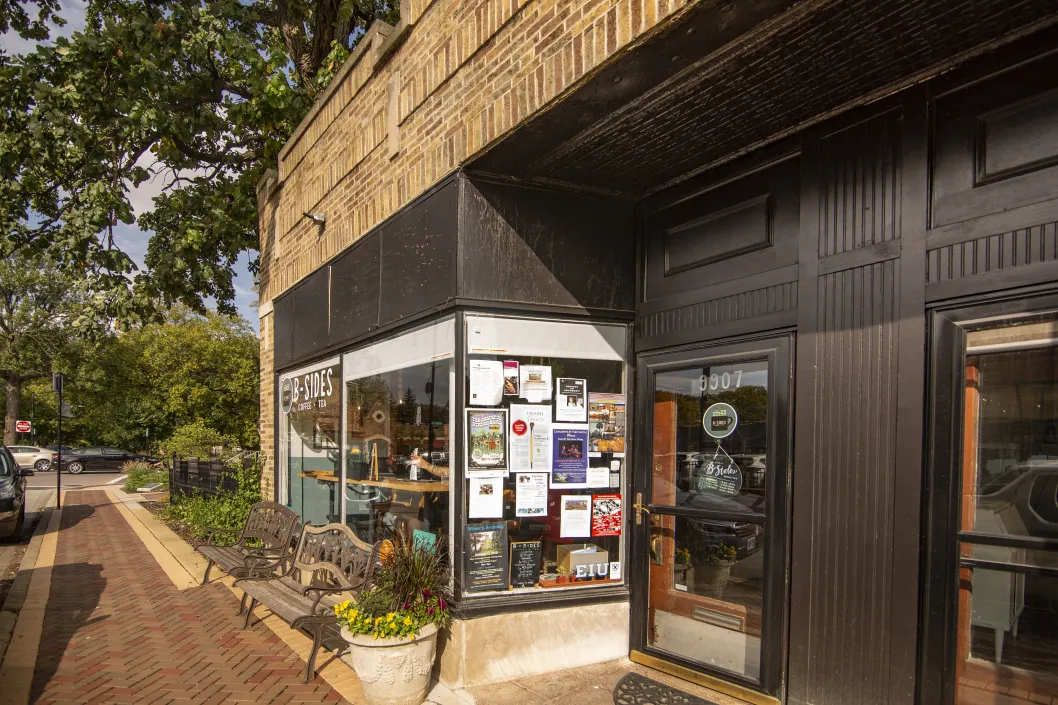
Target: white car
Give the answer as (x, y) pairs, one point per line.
(33, 457)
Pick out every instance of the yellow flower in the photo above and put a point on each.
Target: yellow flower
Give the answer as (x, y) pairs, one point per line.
(376, 635)
(407, 620)
(390, 616)
(352, 615)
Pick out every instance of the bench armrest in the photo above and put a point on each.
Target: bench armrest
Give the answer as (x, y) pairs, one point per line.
(320, 592)
(262, 567)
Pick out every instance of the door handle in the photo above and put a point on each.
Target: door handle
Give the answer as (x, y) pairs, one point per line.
(640, 508)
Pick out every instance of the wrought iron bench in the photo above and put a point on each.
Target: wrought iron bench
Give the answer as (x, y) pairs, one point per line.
(329, 560)
(271, 525)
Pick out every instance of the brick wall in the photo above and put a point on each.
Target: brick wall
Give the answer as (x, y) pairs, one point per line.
(396, 121)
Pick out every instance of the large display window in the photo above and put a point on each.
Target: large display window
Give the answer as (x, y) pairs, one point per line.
(545, 438)
(309, 455)
(398, 422)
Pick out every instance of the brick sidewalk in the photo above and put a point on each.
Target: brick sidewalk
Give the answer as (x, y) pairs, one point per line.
(116, 629)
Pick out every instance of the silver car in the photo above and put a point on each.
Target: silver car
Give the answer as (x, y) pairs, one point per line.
(32, 457)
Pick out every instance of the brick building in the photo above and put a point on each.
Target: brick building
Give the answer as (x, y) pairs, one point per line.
(768, 283)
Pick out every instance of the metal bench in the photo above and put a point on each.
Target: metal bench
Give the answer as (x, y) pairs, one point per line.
(329, 560)
(271, 525)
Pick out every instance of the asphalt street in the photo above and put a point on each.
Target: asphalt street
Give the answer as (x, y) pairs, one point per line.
(46, 480)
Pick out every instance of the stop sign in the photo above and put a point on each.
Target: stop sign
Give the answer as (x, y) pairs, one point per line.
(23, 426)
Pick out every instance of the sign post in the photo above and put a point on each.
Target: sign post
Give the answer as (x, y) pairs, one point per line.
(56, 386)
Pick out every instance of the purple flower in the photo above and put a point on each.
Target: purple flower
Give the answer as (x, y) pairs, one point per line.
(426, 593)
(442, 604)
(406, 605)
(431, 611)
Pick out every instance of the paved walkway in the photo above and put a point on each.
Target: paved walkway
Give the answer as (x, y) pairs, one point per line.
(117, 630)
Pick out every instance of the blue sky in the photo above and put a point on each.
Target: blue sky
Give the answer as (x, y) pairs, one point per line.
(132, 240)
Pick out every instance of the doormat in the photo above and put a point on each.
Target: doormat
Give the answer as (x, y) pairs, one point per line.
(635, 689)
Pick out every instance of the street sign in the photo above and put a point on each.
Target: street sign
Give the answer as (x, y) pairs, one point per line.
(66, 410)
(23, 426)
(56, 382)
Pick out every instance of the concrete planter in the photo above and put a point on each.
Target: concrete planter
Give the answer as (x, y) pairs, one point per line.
(393, 671)
(710, 579)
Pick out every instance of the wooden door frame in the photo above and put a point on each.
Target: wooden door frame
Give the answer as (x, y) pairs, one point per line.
(778, 349)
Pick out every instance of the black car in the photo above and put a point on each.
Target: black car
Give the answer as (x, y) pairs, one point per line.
(99, 458)
(12, 496)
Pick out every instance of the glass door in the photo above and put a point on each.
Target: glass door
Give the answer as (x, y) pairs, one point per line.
(1007, 605)
(711, 515)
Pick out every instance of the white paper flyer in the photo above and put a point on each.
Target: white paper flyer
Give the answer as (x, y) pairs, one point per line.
(530, 438)
(535, 382)
(486, 497)
(576, 516)
(486, 382)
(571, 399)
(530, 494)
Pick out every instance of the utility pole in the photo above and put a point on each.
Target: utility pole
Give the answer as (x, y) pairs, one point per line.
(56, 386)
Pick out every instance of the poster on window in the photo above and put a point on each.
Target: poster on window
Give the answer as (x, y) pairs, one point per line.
(571, 399)
(486, 382)
(607, 420)
(530, 494)
(510, 378)
(535, 382)
(575, 516)
(486, 556)
(486, 442)
(486, 498)
(569, 455)
(530, 439)
(606, 515)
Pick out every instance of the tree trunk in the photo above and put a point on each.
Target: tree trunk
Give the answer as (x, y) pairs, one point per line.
(13, 391)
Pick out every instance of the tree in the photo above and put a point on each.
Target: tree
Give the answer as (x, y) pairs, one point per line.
(205, 93)
(189, 369)
(44, 317)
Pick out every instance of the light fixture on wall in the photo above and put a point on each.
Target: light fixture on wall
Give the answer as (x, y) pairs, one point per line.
(317, 218)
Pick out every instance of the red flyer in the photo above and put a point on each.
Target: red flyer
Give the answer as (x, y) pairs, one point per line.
(606, 515)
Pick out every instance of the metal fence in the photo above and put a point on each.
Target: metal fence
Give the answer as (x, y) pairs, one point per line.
(204, 476)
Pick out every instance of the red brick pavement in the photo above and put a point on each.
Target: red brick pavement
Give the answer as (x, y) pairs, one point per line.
(117, 631)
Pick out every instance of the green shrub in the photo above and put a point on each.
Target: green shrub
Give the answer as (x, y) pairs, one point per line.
(196, 440)
(199, 513)
(139, 474)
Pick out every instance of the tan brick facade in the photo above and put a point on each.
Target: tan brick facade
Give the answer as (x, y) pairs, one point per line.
(463, 73)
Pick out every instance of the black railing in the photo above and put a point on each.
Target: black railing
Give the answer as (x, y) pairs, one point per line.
(188, 476)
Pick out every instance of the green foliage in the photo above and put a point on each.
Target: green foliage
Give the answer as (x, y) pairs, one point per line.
(411, 590)
(201, 370)
(44, 319)
(199, 95)
(199, 513)
(196, 440)
(139, 474)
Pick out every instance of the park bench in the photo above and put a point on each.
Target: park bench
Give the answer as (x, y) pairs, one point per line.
(329, 560)
(270, 532)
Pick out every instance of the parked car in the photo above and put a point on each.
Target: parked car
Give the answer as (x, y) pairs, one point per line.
(56, 448)
(100, 458)
(12, 496)
(32, 457)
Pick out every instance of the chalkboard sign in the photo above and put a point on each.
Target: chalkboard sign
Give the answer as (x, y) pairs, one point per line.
(525, 563)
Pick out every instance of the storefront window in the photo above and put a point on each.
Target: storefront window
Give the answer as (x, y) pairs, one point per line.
(546, 444)
(398, 422)
(309, 462)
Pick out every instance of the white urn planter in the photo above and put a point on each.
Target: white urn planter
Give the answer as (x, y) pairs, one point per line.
(394, 671)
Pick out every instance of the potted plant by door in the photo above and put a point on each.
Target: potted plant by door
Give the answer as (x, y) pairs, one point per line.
(712, 573)
(392, 627)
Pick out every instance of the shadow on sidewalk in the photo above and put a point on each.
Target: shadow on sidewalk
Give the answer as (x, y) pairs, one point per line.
(76, 590)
